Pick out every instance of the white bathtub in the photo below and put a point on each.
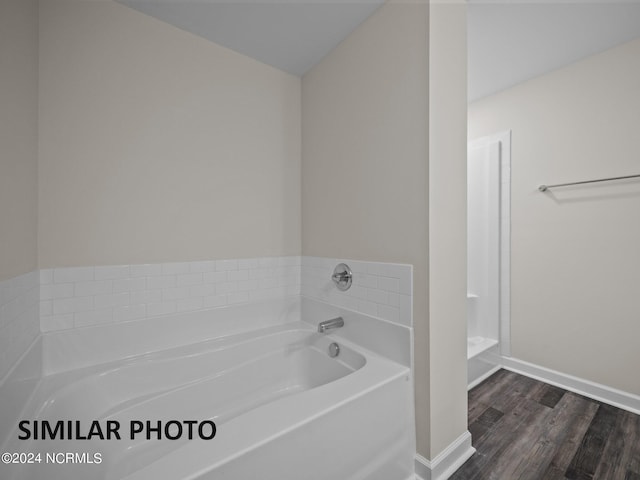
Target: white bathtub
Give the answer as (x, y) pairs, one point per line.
(283, 409)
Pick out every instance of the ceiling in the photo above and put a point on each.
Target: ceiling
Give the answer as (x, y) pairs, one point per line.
(292, 35)
(509, 41)
(513, 42)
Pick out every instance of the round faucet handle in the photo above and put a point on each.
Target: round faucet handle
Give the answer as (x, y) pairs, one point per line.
(342, 277)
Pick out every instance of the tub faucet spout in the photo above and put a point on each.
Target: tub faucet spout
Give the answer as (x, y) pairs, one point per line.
(330, 324)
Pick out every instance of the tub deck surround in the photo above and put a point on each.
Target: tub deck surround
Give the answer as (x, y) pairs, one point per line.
(19, 325)
(388, 339)
(275, 394)
(17, 388)
(82, 347)
(20, 348)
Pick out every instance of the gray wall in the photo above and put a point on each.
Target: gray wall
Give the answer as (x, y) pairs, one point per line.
(157, 145)
(18, 136)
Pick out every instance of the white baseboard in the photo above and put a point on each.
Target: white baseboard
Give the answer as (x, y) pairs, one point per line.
(602, 393)
(447, 461)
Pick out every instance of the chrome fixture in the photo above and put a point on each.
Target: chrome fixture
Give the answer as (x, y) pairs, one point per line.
(334, 350)
(342, 276)
(330, 324)
(544, 188)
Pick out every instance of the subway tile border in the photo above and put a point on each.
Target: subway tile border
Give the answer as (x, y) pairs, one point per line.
(382, 290)
(77, 297)
(84, 296)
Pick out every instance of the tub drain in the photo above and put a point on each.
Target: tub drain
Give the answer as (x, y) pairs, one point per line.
(334, 350)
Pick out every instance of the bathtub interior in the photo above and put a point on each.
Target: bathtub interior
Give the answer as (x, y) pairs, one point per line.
(291, 358)
(235, 375)
(218, 380)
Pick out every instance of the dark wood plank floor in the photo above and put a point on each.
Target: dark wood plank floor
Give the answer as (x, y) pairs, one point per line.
(526, 429)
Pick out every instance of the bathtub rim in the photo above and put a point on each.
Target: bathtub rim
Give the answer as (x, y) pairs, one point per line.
(301, 409)
(48, 385)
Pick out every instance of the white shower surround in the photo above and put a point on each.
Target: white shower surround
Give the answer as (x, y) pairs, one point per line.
(494, 336)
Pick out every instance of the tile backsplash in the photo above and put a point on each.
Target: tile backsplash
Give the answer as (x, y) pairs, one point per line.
(84, 296)
(382, 290)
